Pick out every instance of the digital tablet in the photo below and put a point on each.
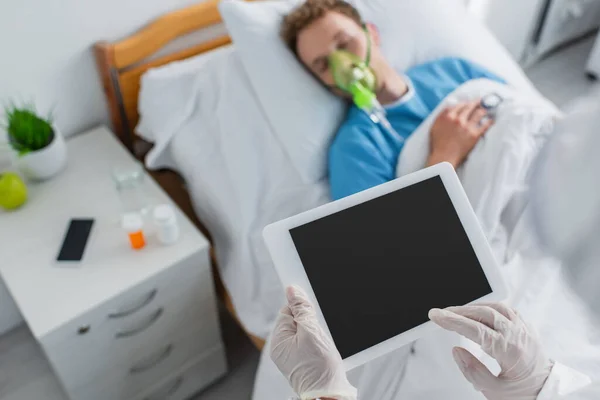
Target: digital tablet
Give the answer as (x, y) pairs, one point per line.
(375, 263)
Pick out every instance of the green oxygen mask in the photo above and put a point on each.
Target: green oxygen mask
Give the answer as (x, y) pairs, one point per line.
(353, 76)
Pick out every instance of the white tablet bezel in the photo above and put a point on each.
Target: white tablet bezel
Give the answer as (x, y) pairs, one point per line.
(291, 271)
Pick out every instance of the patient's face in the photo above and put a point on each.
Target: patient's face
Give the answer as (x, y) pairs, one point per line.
(333, 32)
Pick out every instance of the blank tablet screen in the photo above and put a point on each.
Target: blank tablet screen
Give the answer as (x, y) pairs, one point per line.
(378, 268)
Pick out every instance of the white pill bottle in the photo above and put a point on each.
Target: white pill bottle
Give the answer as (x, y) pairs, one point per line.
(165, 220)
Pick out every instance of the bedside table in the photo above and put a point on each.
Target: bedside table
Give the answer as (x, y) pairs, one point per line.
(121, 324)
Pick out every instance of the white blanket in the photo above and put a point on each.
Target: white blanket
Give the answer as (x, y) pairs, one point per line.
(495, 174)
(209, 127)
(495, 177)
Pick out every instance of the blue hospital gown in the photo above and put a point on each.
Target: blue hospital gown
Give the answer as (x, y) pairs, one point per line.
(364, 155)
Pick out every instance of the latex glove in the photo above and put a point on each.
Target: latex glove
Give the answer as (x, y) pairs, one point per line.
(305, 354)
(503, 335)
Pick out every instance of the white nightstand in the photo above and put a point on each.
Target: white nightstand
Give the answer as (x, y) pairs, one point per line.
(121, 324)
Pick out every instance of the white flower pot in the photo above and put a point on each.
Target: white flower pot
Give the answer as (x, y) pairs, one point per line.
(45, 163)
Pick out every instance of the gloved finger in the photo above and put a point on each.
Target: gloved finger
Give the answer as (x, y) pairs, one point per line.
(471, 329)
(285, 326)
(284, 331)
(484, 314)
(299, 304)
(285, 321)
(503, 309)
(286, 310)
(282, 348)
(474, 370)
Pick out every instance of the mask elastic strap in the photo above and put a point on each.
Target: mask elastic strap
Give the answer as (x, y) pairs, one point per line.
(368, 59)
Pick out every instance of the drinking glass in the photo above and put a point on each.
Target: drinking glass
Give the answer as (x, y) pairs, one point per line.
(130, 182)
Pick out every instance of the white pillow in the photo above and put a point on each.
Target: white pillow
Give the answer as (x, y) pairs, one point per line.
(162, 87)
(167, 96)
(302, 113)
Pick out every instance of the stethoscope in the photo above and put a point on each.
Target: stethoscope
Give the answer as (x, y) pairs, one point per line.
(490, 104)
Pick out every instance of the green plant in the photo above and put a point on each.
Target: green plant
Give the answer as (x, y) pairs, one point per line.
(27, 131)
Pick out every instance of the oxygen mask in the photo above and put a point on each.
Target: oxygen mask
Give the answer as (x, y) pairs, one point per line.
(354, 76)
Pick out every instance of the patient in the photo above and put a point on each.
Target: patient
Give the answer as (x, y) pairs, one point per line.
(364, 154)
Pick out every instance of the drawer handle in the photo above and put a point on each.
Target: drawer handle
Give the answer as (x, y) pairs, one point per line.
(143, 303)
(153, 318)
(171, 390)
(152, 362)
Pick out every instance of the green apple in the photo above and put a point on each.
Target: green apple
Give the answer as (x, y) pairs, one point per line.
(13, 192)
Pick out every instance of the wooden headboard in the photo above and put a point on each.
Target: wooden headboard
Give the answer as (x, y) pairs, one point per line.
(121, 64)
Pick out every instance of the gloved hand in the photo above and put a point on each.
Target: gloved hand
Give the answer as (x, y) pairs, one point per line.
(503, 335)
(305, 354)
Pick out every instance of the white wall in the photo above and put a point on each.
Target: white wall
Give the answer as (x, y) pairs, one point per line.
(46, 57)
(512, 21)
(46, 52)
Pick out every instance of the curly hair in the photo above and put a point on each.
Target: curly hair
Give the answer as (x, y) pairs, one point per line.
(310, 11)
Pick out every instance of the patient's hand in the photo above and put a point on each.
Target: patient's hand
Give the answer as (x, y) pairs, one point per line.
(455, 133)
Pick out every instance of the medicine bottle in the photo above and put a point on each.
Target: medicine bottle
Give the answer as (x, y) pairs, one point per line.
(167, 228)
(133, 224)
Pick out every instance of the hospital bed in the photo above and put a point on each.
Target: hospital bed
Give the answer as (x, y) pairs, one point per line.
(223, 122)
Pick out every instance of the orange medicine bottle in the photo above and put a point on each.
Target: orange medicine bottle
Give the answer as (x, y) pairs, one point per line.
(133, 224)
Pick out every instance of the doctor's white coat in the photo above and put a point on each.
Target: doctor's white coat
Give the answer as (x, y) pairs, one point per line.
(567, 384)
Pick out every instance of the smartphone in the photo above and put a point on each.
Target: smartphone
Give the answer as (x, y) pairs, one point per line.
(75, 240)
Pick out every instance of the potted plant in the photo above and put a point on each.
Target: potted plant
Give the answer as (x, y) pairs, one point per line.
(39, 148)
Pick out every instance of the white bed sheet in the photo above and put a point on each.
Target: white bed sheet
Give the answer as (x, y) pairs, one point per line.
(240, 181)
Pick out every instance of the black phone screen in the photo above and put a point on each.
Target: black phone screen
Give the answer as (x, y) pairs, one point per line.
(75, 240)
